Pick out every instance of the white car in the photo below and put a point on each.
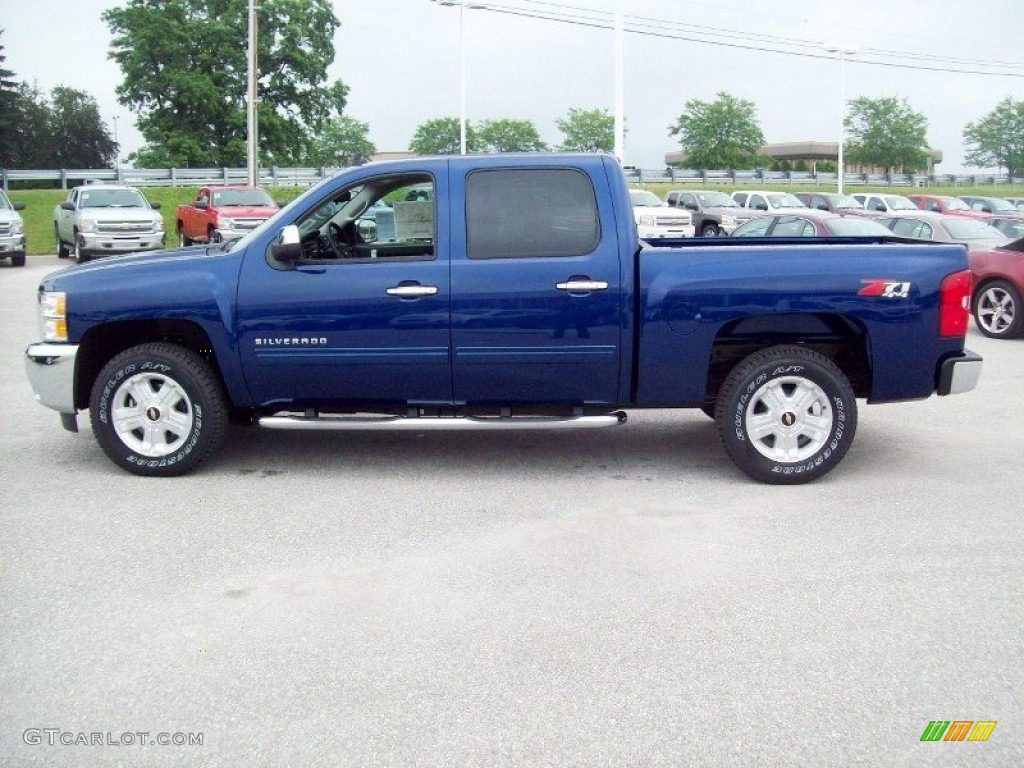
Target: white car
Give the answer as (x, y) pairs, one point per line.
(885, 203)
(12, 231)
(768, 202)
(103, 219)
(656, 220)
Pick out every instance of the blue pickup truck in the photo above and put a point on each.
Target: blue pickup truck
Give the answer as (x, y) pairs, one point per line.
(506, 292)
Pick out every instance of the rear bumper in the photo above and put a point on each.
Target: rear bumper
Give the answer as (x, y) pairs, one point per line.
(959, 374)
(51, 372)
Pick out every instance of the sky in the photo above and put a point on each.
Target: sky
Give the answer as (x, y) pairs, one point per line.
(401, 60)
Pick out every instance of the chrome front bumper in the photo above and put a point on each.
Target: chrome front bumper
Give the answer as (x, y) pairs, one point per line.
(51, 372)
(959, 374)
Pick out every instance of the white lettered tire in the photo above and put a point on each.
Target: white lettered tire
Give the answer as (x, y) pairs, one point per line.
(158, 410)
(786, 415)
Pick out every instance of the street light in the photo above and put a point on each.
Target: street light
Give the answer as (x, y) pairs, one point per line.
(843, 53)
(250, 117)
(462, 65)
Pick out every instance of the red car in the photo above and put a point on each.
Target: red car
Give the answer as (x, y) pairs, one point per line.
(997, 277)
(952, 206)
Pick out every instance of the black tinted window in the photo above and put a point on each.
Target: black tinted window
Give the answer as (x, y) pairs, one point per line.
(530, 212)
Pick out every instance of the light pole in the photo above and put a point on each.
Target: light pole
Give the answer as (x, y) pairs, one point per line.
(117, 147)
(462, 65)
(843, 53)
(620, 88)
(251, 131)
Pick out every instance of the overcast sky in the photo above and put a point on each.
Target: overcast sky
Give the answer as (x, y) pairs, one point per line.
(401, 61)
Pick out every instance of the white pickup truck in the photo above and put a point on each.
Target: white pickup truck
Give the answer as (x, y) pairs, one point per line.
(12, 231)
(655, 220)
(103, 219)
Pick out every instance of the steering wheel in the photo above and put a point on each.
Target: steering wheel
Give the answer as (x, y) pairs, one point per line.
(336, 239)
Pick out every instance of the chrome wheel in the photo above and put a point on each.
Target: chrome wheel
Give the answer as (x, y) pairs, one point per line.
(789, 419)
(152, 414)
(996, 310)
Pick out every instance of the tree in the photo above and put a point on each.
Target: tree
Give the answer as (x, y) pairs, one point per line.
(341, 142)
(586, 130)
(997, 139)
(509, 136)
(440, 136)
(886, 133)
(8, 111)
(82, 138)
(721, 134)
(185, 75)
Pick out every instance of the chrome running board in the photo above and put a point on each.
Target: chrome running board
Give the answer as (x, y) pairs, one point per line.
(425, 423)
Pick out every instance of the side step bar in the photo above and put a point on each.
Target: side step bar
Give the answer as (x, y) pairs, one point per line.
(424, 423)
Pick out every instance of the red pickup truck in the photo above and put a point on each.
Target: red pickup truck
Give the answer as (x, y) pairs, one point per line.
(223, 213)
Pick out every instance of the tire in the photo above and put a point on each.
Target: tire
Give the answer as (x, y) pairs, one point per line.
(786, 415)
(81, 255)
(213, 236)
(62, 250)
(709, 230)
(183, 242)
(17, 259)
(998, 311)
(158, 410)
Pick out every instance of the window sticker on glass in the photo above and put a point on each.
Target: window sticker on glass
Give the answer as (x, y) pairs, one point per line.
(414, 221)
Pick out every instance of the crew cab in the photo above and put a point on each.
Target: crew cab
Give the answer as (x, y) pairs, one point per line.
(222, 213)
(104, 219)
(12, 231)
(516, 294)
(655, 220)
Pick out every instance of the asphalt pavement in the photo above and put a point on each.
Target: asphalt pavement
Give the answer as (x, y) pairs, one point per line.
(619, 597)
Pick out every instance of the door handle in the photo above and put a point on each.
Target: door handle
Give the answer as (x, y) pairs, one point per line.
(411, 291)
(582, 286)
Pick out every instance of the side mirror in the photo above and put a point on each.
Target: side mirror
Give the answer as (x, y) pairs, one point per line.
(202, 205)
(19, 206)
(761, 206)
(155, 205)
(691, 206)
(880, 207)
(280, 203)
(822, 206)
(367, 229)
(67, 205)
(288, 247)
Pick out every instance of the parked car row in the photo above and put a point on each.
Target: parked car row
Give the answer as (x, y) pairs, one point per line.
(12, 231)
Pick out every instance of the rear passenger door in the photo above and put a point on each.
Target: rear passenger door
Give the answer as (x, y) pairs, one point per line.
(536, 286)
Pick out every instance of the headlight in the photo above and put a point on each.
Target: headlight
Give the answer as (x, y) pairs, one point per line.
(87, 225)
(226, 224)
(19, 226)
(158, 225)
(647, 220)
(53, 311)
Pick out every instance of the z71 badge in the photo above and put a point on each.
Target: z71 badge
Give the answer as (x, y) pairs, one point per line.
(887, 289)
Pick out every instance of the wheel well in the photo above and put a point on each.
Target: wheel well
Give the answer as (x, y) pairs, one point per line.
(840, 339)
(103, 342)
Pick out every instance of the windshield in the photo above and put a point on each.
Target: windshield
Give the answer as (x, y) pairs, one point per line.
(112, 198)
(716, 200)
(956, 204)
(640, 197)
(845, 201)
(227, 198)
(898, 203)
(972, 229)
(784, 200)
(856, 226)
(1001, 206)
(5, 204)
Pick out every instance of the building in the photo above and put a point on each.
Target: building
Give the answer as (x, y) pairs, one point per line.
(811, 153)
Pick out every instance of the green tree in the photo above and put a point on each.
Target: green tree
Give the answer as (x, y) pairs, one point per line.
(587, 130)
(9, 102)
(440, 136)
(997, 139)
(509, 136)
(82, 138)
(185, 64)
(886, 133)
(720, 134)
(32, 143)
(341, 142)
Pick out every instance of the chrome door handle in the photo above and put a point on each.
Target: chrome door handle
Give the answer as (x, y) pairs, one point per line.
(582, 286)
(411, 291)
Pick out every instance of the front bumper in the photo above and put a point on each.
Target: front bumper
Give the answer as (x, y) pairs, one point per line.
(51, 372)
(658, 233)
(102, 243)
(12, 244)
(959, 374)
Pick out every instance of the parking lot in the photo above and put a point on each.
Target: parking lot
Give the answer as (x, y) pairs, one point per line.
(613, 598)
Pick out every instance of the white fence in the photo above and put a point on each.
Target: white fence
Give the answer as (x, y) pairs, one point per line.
(304, 177)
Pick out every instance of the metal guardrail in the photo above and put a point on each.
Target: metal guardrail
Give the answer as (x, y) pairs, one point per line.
(304, 177)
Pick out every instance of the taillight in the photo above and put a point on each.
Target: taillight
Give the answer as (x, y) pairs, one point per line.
(955, 304)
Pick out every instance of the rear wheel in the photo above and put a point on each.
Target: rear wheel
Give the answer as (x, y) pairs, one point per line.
(158, 410)
(997, 310)
(786, 415)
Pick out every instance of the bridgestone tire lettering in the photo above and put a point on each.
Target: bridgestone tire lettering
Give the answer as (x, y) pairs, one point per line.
(198, 390)
(832, 423)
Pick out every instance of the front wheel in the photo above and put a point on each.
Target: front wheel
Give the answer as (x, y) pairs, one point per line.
(709, 230)
(786, 415)
(998, 311)
(158, 410)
